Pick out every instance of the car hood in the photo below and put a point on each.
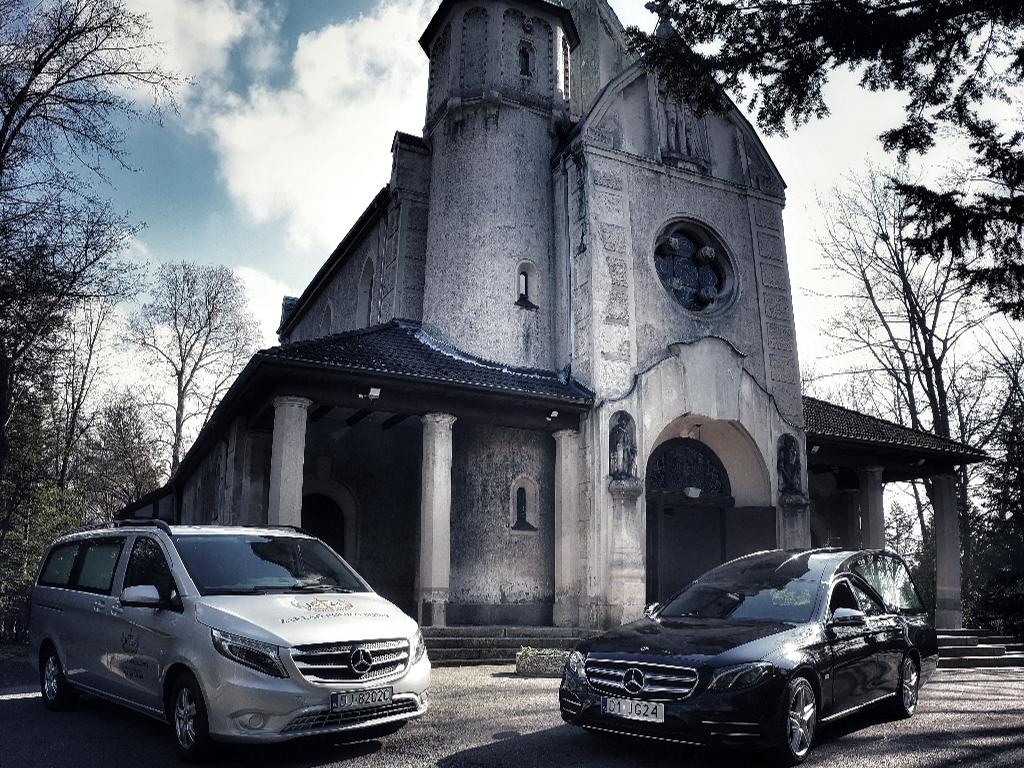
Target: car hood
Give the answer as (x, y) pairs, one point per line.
(290, 619)
(696, 639)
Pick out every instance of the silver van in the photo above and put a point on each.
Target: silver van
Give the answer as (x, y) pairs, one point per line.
(228, 634)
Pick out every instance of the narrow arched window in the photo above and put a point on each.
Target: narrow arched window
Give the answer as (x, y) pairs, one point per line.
(524, 502)
(524, 285)
(525, 61)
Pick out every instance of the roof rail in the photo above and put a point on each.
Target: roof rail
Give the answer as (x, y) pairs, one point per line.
(143, 521)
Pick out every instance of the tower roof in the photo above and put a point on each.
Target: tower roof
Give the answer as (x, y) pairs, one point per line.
(562, 13)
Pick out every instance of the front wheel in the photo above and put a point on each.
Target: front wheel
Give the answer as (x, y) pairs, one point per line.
(908, 691)
(57, 691)
(189, 721)
(798, 722)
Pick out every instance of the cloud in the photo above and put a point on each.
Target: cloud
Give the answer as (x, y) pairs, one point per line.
(310, 153)
(265, 294)
(199, 37)
(633, 13)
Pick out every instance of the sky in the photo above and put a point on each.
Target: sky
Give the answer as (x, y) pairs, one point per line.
(283, 135)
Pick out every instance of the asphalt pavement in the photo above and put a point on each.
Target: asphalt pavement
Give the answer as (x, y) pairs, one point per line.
(486, 716)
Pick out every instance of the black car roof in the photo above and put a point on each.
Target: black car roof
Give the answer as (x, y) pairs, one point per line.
(817, 564)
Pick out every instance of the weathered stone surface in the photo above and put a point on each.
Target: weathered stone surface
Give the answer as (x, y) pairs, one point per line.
(534, 662)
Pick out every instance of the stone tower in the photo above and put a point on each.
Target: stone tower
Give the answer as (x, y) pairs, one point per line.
(498, 94)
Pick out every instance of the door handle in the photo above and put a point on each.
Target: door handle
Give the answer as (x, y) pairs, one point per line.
(98, 605)
(116, 610)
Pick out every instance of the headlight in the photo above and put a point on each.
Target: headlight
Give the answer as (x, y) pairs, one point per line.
(263, 657)
(740, 676)
(417, 648)
(576, 664)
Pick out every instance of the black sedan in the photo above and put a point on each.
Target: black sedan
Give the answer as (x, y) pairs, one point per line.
(758, 652)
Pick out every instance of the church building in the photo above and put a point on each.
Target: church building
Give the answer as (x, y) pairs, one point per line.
(550, 374)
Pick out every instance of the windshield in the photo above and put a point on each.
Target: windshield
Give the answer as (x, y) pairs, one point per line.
(260, 564)
(792, 601)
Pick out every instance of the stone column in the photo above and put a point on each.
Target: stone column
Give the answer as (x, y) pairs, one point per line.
(435, 519)
(948, 612)
(872, 510)
(849, 503)
(286, 458)
(567, 589)
(628, 582)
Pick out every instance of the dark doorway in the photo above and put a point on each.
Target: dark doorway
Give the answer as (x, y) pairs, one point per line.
(693, 523)
(325, 520)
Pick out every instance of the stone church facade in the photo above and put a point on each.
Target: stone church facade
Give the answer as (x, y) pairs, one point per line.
(551, 374)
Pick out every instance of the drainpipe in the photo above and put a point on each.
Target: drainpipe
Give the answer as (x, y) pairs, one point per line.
(570, 341)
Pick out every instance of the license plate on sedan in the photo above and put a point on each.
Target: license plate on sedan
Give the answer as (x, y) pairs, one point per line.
(370, 697)
(631, 709)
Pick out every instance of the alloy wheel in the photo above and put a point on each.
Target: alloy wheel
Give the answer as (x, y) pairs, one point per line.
(185, 718)
(801, 719)
(909, 685)
(51, 678)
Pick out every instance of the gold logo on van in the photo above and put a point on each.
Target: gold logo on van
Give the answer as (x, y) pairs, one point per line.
(322, 605)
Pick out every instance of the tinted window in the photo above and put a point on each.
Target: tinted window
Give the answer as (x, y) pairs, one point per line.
(890, 579)
(792, 601)
(148, 566)
(255, 564)
(96, 573)
(868, 603)
(57, 570)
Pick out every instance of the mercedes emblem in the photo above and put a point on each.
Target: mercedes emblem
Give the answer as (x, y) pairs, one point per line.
(361, 661)
(633, 680)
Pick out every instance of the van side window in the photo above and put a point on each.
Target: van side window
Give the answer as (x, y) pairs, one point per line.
(99, 561)
(57, 570)
(148, 566)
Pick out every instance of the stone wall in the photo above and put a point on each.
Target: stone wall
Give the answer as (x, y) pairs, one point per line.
(500, 575)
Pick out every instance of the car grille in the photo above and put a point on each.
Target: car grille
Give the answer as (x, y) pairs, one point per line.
(324, 718)
(326, 663)
(661, 681)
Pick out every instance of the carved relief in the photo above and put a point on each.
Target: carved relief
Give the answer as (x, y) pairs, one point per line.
(774, 276)
(617, 311)
(766, 216)
(617, 271)
(780, 337)
(683, 463)
(770, 247)
(608, 179)
(783, 368)
(692, 270)
(613, 236)
(685, 137)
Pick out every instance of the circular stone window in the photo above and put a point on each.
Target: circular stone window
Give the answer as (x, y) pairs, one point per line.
(693, 269)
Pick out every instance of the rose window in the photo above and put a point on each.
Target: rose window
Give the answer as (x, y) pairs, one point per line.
(692, 270)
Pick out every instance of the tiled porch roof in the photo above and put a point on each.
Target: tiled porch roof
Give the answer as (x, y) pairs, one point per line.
(405, 349)
(826, 420)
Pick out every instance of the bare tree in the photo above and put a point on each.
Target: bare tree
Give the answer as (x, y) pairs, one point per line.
(198, 331)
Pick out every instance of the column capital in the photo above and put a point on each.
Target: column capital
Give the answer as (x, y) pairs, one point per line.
(292, 401)
(871, 471)
(438, 420)
(565, 435)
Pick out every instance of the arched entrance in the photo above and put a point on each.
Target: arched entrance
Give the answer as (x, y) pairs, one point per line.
(693, 523)
(323, 518)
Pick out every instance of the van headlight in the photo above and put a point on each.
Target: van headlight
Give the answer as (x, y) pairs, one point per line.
(417, 648)
(254, 654)
(576, 664)
(740, 676)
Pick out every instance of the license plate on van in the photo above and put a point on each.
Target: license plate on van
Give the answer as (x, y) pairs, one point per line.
(370, 697)
(631, 709)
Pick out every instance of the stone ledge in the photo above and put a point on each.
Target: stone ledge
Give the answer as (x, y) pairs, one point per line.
(540, 662)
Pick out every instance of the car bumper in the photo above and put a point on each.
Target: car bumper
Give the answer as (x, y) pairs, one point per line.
(747, 718)
(249, 707)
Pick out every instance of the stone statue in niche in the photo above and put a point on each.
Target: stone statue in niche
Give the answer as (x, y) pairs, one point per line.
(681, 132)
(790, 482)
(622, 446)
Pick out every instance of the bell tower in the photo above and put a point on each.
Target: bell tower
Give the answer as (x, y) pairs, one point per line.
(498, 94)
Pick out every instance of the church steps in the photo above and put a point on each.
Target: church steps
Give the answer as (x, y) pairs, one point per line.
(975, 649)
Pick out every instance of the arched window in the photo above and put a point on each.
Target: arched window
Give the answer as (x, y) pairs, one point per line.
(526, 60)
(526, 288)
(523, 501)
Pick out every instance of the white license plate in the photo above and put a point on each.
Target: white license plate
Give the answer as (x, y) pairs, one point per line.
(650, 711)
(370, 697)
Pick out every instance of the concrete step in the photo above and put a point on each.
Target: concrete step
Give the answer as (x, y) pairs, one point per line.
(957, 640)
(999, 639)
(957, 632)
(510, 643)
(971, 650)
(978, 662)
(463, 654)
(563, 632)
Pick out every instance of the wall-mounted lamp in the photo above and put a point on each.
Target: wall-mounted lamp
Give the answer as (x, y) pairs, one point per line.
(815, 449)
(554, 415)
(373, 394)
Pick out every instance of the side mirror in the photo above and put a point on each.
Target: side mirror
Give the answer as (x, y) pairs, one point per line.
(142, 596)
(849, 617)
(651, 609)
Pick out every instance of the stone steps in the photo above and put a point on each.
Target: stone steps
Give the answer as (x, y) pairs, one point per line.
(975, 649)
(465, 646)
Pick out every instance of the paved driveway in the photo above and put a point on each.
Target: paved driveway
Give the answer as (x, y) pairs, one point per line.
(484, 716)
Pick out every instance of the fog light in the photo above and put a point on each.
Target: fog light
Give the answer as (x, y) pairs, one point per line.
(255, 721)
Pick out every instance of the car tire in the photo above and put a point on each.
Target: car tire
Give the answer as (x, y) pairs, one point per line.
(190, 725)
(908, 690)
(798, 720)
(57, 692)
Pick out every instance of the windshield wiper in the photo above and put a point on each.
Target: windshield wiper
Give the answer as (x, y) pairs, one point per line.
(253, 590)
(318, 588)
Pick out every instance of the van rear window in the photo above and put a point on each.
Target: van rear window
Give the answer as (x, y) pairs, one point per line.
(57, 570)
